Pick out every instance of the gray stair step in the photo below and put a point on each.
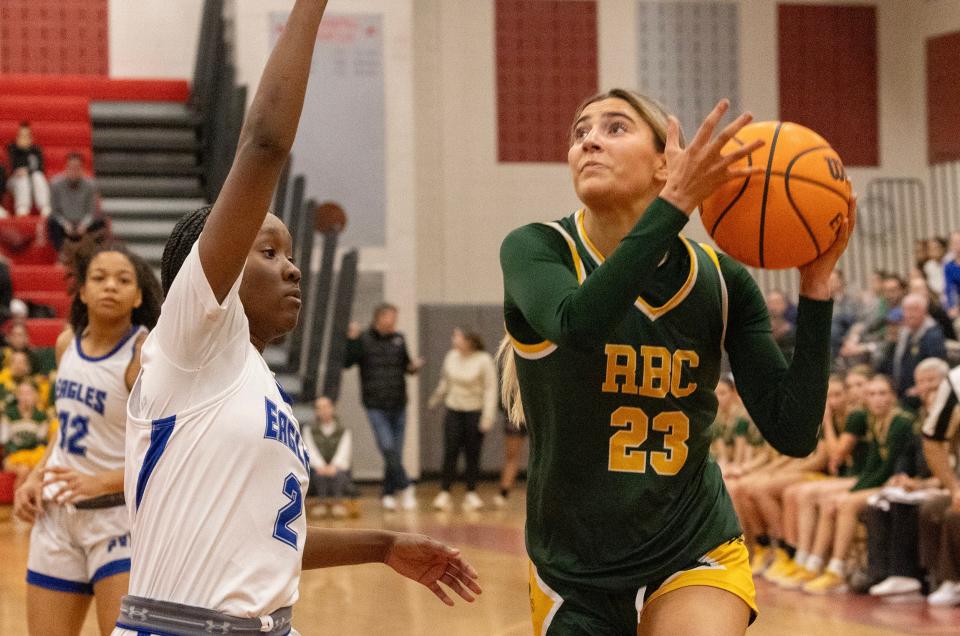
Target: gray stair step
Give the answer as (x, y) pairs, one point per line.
(142, 113)
(186, 187)
(145, 230)
(150, 252)
(146, 163)
(145, 139)
(121, 207)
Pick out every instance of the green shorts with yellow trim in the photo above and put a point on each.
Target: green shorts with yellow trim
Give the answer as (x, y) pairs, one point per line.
(562, 610)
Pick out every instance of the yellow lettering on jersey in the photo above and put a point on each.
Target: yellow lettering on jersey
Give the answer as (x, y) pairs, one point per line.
(656, 377)
(676, 427)
(615, 369)
(625, 453)
(681, 356)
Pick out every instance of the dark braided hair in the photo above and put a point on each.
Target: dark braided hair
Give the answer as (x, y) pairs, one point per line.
(152, 296)
(185, 233)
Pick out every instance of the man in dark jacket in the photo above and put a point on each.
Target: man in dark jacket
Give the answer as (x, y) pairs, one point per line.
(381, 353)
(919, 338)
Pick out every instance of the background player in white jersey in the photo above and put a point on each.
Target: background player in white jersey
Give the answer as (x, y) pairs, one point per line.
(79, 546)
(216, 467)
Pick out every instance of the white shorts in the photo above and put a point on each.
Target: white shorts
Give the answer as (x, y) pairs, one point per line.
(70, 549)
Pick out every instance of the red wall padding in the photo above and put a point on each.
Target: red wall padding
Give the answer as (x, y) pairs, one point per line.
(546, 65)
(828, 76)
(54, 37)
(96, 88)
(943, 98)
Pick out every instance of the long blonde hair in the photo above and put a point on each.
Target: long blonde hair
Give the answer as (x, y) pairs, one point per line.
(509, 384)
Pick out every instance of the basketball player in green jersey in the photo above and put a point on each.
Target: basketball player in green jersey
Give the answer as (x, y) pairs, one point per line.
(615, 325)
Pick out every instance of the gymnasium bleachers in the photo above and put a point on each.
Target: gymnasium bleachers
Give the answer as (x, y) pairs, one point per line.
(59, 110)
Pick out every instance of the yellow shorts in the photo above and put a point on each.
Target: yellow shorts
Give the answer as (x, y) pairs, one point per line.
(562, 609)
(28, 458)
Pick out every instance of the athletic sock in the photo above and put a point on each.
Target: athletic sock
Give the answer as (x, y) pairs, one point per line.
(814, 563)
(504, 493)
(836, 566)
(800, 558)
(763, 540)
(789, 549)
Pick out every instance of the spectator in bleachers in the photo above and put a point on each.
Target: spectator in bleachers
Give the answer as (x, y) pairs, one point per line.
(919, 337)
(18, 339)
(867, 338)
(784, 331)
(24, 431)
(330, 447)
(935, 308)
(74, 203)
(933, 266)
(940, 516)
(951, 277)
(27, 182)
(20, 370)
(847, 310)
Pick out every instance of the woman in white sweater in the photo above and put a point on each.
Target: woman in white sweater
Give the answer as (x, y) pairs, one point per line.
(468, 390)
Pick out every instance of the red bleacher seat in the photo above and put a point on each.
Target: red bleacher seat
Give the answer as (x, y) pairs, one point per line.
(44, 108)
(18, 241)
(96, 88)
(58, 301)
(52, 133)
(55, 158)
(47, 278)
(44, 331)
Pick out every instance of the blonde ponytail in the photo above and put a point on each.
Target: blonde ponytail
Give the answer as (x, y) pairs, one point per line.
(509, 384)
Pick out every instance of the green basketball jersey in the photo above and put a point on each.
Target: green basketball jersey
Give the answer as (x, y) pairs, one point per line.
(621, 488)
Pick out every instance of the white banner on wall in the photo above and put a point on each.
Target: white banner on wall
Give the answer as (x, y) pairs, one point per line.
(340, 142)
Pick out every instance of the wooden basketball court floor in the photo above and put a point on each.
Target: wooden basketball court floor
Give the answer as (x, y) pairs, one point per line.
(371, 599)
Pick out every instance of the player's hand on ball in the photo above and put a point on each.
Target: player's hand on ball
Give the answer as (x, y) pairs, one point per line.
(430, 563)
(28, 499)
(815, 275)
(74, 486)
(694, 172)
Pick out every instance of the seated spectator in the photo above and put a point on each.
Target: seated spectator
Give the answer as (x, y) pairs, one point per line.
(330, 448)
(892, 517)
(940, 516)
(18, 339)
(25, 431)
(935, 308)
(847, 310)
(933, 266)
(19, 370)
(784, 331)
(867, 336)
(27, 182)
(730, 446)
(919, 337)
(73, 198)
(889, 431)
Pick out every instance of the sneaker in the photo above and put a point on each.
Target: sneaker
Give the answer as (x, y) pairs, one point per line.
(779, 561)
(389, 503)
(947, 595)
(798, 579)
(826, 583)
(760, 558)
(472, 502)
(780, 571)
(895, 585)
(442, 501)
(319, 511)
(339, 511)
(408, 498)
(499, 501)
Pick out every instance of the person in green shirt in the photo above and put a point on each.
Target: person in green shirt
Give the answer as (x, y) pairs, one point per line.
(616, 323)
(888, 431)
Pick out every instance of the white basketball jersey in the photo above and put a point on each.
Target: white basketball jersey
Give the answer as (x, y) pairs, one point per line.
(91, 401)
(216, 467)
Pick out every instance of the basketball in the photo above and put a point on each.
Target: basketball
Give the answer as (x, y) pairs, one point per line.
(788, 214)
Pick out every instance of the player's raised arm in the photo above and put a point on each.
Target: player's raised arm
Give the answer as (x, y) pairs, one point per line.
(265, 141)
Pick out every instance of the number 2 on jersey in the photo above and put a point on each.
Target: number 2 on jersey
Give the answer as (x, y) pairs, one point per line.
(634, 425)
(289, 513)
(72, 432)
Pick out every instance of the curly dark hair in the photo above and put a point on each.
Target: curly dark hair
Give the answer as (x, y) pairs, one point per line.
(149, 310)
(185, 233)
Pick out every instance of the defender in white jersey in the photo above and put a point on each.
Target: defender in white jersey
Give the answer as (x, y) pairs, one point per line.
(216, 467)
(80, 543)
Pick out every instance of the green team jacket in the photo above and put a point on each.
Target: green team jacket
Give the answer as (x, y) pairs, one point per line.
(617, 363)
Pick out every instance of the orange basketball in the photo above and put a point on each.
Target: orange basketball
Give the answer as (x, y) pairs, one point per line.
(788, 214)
